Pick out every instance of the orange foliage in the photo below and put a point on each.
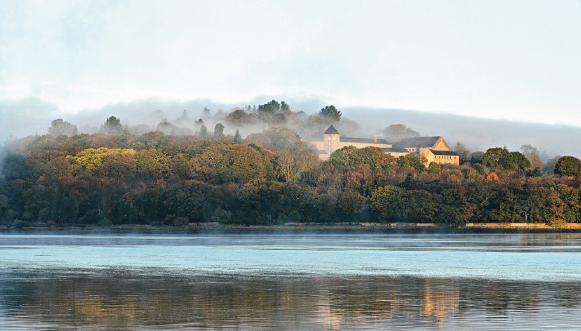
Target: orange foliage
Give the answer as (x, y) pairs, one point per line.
(492, 177)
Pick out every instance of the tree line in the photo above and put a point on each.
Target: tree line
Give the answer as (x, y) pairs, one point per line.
(272, 177)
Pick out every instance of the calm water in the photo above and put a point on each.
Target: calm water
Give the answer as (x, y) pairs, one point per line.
(290, 282)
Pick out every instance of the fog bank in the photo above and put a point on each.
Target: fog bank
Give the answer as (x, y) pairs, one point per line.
(33, 116)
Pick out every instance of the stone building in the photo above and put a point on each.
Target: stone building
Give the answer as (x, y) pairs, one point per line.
(333, 141)
(433, 149)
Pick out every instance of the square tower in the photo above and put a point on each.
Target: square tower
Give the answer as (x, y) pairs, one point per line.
(331, 140)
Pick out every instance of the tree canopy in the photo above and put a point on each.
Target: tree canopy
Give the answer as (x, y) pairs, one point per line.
(331, 112)
(60, 127)
(568, 166)
(173, 176)
(397, 132)
(112, 126)
(501, 158)
(269, 107)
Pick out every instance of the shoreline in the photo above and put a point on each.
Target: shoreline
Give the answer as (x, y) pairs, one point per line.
(303, 227)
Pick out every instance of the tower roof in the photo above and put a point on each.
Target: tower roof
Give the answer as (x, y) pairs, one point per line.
(331, 130)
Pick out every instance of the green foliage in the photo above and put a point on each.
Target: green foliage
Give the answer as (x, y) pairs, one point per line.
(239, 117)
(237, 137)
(284, 107)
(412, 162)
(154, 139)
(568, 166)
(388, 203)
(259, 198)
(283, 139)
(16, 166)
(493, 156)
(219, 131)
(203, 132)
(501, 159)
(549, 167)
(221, 216)
(271, 178)
(290, 164)
(331, 112)
(269, 107)
(223, 163)
(434, 168)
(59, 127)
(3, 203)
(112, 126)
(476, 158)
(351, 157)
(352, 203)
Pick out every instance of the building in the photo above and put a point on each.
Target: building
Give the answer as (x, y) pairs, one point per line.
(333, 141)
(433, 149)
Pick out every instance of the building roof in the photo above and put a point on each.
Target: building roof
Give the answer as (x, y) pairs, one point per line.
(362, 140)
(394, 150)
(417, 142)
(452, 153)
(331, 130)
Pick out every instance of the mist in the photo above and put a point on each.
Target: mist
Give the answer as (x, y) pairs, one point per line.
(33, 116)
(478, 134)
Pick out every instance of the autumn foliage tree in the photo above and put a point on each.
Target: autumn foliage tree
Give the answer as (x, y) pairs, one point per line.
(271, 177)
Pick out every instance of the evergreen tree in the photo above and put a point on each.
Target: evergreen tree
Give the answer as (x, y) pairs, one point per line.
(284, 107)
(219, 131)
(184, 116)
(203, 132)
(112, 126)
(269, 107)
(206, 113)
(331, 112)
(237, 137)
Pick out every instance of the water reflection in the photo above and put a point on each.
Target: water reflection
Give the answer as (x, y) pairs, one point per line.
(290, 281)
(298, 239)
(153, 299)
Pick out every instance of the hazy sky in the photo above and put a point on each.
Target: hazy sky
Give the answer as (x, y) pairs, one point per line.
(518, 60)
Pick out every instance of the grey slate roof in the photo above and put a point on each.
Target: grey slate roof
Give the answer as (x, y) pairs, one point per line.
(331, 130)
(362, 140)
(394, 150)
(444, 152)
(417, 142)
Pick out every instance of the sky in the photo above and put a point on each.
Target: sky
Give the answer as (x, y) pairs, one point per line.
(514, 60)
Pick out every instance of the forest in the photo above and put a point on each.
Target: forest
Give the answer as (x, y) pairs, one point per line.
(180, 172)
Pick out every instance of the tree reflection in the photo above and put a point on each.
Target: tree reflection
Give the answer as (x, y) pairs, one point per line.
(114, 299)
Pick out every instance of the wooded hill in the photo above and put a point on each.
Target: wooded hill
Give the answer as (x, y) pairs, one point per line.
(272, 177)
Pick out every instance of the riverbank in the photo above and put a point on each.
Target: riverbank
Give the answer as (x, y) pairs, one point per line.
(363, 227)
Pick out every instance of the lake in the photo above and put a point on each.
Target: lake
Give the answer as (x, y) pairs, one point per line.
(289, 281)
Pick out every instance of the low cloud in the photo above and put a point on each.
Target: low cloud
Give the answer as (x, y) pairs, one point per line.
(33, 116)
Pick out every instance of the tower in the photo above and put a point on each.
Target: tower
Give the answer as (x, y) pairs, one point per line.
(331, 139)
